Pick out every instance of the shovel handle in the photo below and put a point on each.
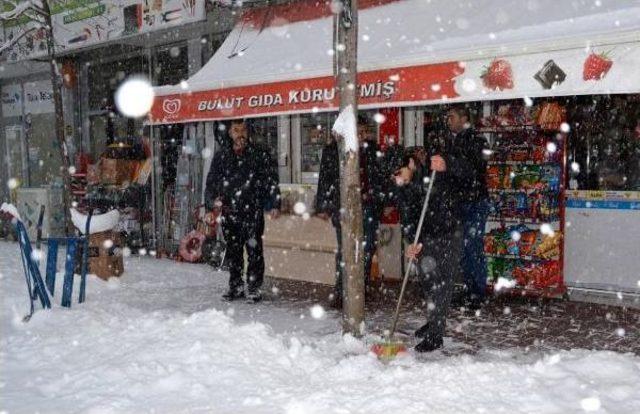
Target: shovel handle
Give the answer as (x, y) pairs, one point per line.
(425, 205)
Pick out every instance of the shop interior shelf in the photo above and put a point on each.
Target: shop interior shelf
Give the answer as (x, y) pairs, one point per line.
(522, 190)
(527, 258)
(507, 128)
(528, 162)
(520, 220)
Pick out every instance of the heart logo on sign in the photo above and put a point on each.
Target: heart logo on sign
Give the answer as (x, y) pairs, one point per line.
(171, 106)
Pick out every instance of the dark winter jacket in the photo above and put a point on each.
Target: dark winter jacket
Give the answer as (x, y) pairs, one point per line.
(393, 160)
(475, 184)
(328, 195)
(247, 184)
(451, 189)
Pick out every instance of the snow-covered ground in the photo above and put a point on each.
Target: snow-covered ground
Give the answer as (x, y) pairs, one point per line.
(160, 340)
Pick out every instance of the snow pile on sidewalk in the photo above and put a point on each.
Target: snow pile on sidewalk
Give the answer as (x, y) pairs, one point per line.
(158, 340)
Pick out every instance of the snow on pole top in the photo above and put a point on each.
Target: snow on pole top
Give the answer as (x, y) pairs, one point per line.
(345, 126)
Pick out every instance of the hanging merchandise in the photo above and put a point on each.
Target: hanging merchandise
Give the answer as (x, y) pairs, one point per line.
(524, 179)
(191, 246)
(551, 116)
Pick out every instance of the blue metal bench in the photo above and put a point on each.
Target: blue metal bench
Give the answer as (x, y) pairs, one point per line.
(44, 290)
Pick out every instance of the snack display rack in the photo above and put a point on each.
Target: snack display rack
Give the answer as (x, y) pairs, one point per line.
(523, 239)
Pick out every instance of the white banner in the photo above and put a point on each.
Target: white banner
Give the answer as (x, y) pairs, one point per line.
(38, 97)
(11, 100)
(80, 23)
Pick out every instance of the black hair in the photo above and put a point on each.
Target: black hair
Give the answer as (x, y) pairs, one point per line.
(462, 111)
(363, 119)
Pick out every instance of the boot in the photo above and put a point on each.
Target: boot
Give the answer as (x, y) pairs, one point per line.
(422, 331)
(254, 296)
(233, 294)
(429, 343)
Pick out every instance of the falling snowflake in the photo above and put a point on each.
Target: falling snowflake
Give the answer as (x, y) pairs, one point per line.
(13, 183)
(379, 118)
(469, 85)
(299, 208)
(317, 312)
(134, 97)
(546, 229)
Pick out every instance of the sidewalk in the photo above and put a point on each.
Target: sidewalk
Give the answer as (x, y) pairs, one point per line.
(505, 322)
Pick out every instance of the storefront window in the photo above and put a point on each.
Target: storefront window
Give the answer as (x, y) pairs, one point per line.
(604, 146)
(171, 65)
(315, 134)
(105, 123)
(104, 78)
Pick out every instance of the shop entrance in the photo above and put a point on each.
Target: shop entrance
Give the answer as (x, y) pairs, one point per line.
(16, 162)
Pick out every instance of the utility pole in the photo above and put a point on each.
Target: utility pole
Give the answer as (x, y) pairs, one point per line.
(56, 84)
(345, 53)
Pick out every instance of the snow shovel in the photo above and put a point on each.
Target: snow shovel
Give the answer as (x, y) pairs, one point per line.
(389, 348)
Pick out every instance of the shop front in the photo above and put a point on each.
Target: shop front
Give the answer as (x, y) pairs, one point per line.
(530, 99)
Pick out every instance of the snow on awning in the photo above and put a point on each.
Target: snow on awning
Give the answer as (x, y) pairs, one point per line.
(280, 59)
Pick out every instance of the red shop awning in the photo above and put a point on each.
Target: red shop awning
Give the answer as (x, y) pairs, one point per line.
(279, 60)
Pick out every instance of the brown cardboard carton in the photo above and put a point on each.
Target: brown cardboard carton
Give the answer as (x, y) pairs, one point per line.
(106, 266)
(116, 171)
(104, 243)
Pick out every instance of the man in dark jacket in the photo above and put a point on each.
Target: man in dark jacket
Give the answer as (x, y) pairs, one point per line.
(437, 254)
(243, 184)
(371, 187)
(475, 207)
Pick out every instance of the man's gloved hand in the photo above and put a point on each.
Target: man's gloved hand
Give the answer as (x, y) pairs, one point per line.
(413, 251)
(274, 214)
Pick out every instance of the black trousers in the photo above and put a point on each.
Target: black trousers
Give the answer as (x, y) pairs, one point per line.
(370, 224)
(244, 232)
(438, 267)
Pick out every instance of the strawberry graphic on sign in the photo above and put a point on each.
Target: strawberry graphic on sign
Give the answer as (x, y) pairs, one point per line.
(498, 76)
(596, 66)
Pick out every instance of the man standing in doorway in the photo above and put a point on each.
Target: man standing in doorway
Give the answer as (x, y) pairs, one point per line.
(372, 193)
(243, 184)
(474, 208)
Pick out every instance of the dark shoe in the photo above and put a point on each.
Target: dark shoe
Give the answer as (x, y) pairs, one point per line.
(254, 297)
(429, 344)
(474, 303)
(422, 331)
(233, 294)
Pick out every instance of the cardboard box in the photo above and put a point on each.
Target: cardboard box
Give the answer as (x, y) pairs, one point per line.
(104, 243)
(106, 266)
(115, 171)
